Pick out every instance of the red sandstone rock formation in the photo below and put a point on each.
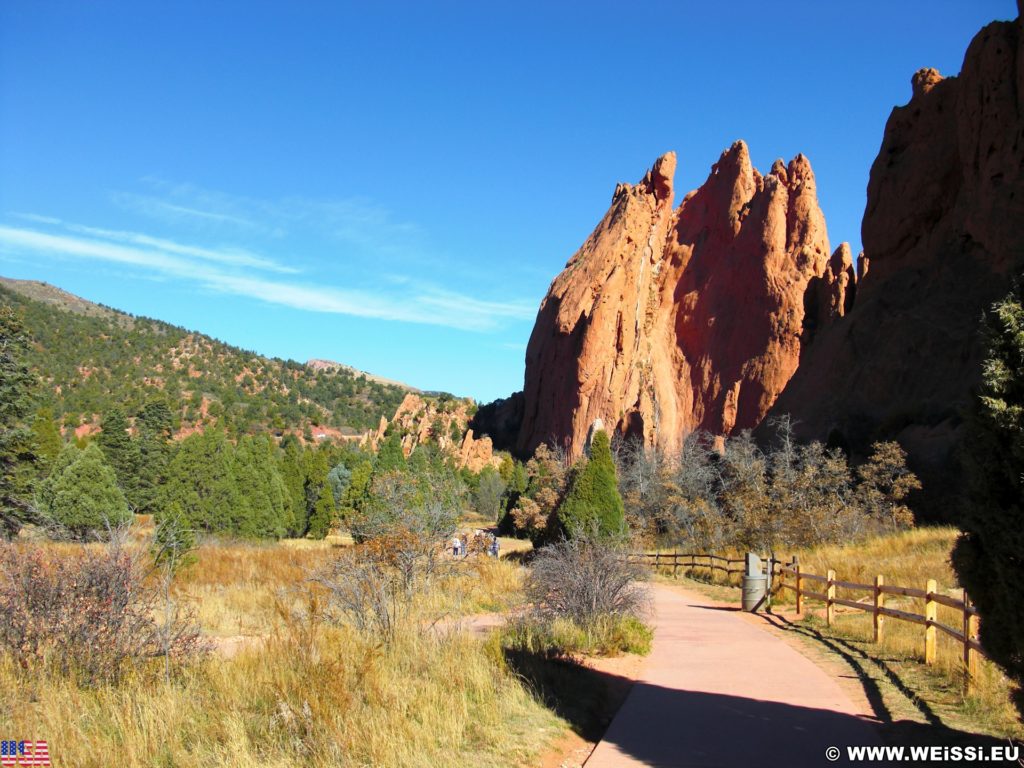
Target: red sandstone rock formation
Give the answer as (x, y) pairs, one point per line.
(669, 320)
(944, 232)
(441, 421)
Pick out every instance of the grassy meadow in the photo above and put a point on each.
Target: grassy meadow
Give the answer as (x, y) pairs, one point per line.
(283, 686)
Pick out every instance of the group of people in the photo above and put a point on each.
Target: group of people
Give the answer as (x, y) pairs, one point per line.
(465, 544)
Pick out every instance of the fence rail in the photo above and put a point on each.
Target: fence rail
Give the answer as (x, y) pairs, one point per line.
(873, 602)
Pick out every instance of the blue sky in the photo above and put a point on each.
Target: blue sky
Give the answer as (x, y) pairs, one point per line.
(395, 186)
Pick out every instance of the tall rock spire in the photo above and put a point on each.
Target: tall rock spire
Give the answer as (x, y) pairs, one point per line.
(669, 320)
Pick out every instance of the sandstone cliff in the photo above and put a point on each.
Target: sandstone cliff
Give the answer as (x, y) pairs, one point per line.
(442, 421)
(944, 233)
(669, 320)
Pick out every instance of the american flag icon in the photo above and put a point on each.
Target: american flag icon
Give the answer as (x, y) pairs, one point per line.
(24, 753)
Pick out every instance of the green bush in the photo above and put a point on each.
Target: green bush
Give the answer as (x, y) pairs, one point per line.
(593, 503)
(81, 494)
(987, 557)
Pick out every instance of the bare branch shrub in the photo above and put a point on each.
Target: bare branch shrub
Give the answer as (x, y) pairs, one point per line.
(91, 614)
(408, 520)
(792, 495)
(584, 579)
(364, 587)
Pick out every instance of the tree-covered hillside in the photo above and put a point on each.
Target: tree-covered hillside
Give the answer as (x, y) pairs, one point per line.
(92, 358)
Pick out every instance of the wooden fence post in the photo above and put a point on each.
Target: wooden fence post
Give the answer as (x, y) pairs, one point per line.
(970, 630)
(830, 596)
(799, 594)
(879, 604)
(930, 614)
(675, 562)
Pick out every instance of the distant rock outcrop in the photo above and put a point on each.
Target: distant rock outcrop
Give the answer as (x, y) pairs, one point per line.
(944, 232)
(442, 421)
(669, 320)
(331, 365)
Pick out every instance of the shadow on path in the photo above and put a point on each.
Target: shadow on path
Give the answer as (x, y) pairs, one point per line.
(710, 729)
(586, 698)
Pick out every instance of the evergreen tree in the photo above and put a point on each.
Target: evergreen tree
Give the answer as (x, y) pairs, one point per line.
(155, 425)
(82, 495)
(315, 469)
(17, 450)
(121, 452)
(987, 556)
(48, 440)
(323, 514)
(261, 511)
(358, 491)
(390, 457)
(44, 491)
(339, 479)
(488, 494)
(593, 504)
(290, 463)
(200, 480)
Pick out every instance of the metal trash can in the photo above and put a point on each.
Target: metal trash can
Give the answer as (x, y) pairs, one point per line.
(755, 583)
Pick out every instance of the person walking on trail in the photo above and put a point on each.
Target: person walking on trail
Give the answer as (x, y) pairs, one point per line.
(494, 547)
(456, 545)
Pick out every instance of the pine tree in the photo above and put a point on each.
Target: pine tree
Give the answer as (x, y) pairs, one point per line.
(81, 494)
(290, 464)
(358, 490)
(121, 452)
(261, 511)
(154, 424)
(323, 514)
(390, 457)
(987, 556)
(315, 469)
(174, 539)
(339, 479)
(201, 481)
(48, 440)
(593, 504)
(17, 449)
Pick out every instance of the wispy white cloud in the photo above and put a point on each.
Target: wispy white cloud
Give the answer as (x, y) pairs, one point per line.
(155, 207)
(355, 221)
(241, 273)
(228, 255)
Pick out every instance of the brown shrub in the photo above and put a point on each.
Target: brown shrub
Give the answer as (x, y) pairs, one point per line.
(93, 615)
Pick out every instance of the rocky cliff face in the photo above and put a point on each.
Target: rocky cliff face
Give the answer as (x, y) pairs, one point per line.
(441, 421)
(944, 233)
(669, 320)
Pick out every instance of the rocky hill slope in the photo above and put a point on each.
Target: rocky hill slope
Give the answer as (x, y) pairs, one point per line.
(92, 358)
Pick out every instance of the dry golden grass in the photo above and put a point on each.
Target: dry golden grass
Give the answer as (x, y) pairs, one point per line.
(475, 585)
(241, 589)
(299, 691)
(322, 698)
(908, 558)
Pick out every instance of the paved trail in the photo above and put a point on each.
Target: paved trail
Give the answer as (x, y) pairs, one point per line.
(717, 690)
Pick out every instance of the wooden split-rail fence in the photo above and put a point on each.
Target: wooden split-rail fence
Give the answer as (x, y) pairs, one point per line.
(790, 576)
